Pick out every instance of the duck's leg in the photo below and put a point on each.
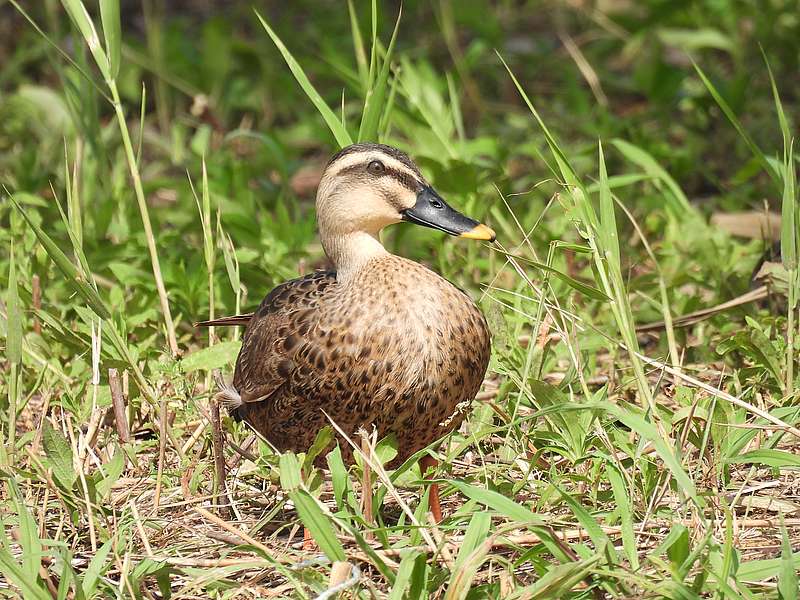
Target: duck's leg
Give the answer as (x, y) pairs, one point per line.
(433, 498)
(309, 545)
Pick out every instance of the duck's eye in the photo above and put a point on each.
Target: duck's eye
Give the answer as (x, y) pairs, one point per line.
(376, 167)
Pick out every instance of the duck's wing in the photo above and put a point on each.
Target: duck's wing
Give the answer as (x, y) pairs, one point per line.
(232, 321)
(279, 340)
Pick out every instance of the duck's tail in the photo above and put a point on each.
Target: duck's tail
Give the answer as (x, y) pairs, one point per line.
(229, 397)
(232, 321)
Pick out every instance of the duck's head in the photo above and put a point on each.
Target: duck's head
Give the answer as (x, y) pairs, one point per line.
(366, 187)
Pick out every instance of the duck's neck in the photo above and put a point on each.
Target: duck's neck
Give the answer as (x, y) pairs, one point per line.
(349, 252)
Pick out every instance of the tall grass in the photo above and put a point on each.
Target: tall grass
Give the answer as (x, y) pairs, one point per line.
(596, 461)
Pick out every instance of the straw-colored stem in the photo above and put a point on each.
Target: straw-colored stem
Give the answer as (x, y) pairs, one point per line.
(148, 228)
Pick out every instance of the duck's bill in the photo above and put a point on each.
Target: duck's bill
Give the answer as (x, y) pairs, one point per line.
(432, 211)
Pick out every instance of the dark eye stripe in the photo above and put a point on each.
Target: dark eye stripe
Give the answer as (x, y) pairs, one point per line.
(407, 180)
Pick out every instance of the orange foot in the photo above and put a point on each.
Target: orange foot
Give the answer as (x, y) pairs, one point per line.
(309, 545)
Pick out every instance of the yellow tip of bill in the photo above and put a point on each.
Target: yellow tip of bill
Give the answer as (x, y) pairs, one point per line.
(480, 232)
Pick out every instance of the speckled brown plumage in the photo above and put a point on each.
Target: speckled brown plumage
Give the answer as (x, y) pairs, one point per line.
(396, 347)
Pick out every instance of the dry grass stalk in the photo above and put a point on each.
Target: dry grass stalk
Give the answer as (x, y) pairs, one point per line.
(162, 448)
(366, 484)
(220, 468)
(119, 405)
(209, 516)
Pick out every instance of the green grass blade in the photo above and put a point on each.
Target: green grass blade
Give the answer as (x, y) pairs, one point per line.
(789, 212)
(318, 524)
(580, 287)
(728, 111)
(70, 272)
(565, 169)
(608, 221)
(463, 577)
(648, 431)
(80, 16)
(309, 509)
(759, 570)
(339, 132)
(358, 44)
(558, 581)
(623, 502)
(13, 314)
(681, 207)
(28, 537)
(404, 573)
(503, 505)
(767, 456)
(476, 533)
(599, 538)
(374, 103)
(59, 456)
(788, 588)
(30, 587)
(112, 32)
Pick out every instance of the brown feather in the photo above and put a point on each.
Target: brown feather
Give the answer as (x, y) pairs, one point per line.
(398, 348)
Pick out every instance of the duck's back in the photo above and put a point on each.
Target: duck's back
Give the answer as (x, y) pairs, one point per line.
(397, 348)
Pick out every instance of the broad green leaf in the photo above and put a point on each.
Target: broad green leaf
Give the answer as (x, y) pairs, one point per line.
(419, 578)
(322, 441)
(213, 357)
(339, 478)
(678, 550)
(337, 129)
(59, 455)
(318, 524)
(291, 478)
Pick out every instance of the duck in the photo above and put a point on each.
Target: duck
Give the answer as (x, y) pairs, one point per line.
(378, 342)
